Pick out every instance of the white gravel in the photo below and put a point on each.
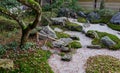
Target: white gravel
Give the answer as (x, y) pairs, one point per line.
(82, 54)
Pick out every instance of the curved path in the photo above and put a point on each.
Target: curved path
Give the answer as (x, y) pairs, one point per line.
(77, 65)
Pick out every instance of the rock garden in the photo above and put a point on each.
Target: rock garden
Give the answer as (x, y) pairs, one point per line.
(61, 39)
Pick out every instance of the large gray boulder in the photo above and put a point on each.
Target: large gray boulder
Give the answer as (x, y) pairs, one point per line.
(62, 42)
(93, 16)
(47, 32)
(116, 19)
(107, 41)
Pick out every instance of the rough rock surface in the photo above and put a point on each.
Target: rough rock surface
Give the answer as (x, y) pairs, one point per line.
(116, 18)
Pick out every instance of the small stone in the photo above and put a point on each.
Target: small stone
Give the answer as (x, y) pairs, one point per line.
(65, 49)
(66, 57)
(102, 24)
(94, 46)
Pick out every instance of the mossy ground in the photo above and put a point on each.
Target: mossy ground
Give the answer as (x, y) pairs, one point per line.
(96, 41)
(82, 20)
(29, 62)
(102, 64)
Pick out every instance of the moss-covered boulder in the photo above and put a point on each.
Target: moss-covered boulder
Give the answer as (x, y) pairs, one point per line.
(73, 26)
(75, 45)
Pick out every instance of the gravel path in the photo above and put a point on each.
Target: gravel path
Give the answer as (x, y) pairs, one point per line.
(80, 57)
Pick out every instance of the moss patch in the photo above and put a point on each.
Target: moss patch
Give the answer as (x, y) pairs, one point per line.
(114, 26)
(82, 20)
(96, 41)
(73, 26)
(62, 35)
(102, 64)
(75, 45)
(30, 63)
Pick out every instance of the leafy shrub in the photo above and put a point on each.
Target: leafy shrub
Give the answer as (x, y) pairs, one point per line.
(102, 63)
(12, 45)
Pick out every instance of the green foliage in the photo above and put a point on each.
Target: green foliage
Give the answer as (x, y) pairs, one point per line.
(75, 45)
(12, 45)
(106, 12)
(73, 26)
(31, 63)
(97, 41)
(7, 24)
(102, 63)
(62, 35)
(2, 50)
(9, 3)
(28, 45)
(114, 26)
(82, 20)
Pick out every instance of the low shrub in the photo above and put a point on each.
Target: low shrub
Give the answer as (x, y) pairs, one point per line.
(2, 50)
(102, 64)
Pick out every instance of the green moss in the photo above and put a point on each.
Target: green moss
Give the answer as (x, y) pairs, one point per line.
(114, 26)
(7, 24)
(97, 41)
(102, 63)
(62, 35)
(73, 26)
(31, 63)
(82, 20)
(75, 45)
(103, 19)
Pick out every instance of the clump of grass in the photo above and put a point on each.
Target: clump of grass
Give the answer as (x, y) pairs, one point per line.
(102, 64)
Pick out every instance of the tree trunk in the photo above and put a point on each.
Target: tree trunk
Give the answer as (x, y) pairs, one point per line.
(95, 4)
(24, 37)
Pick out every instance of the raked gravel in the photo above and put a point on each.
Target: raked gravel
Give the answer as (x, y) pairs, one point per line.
(77, 65)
